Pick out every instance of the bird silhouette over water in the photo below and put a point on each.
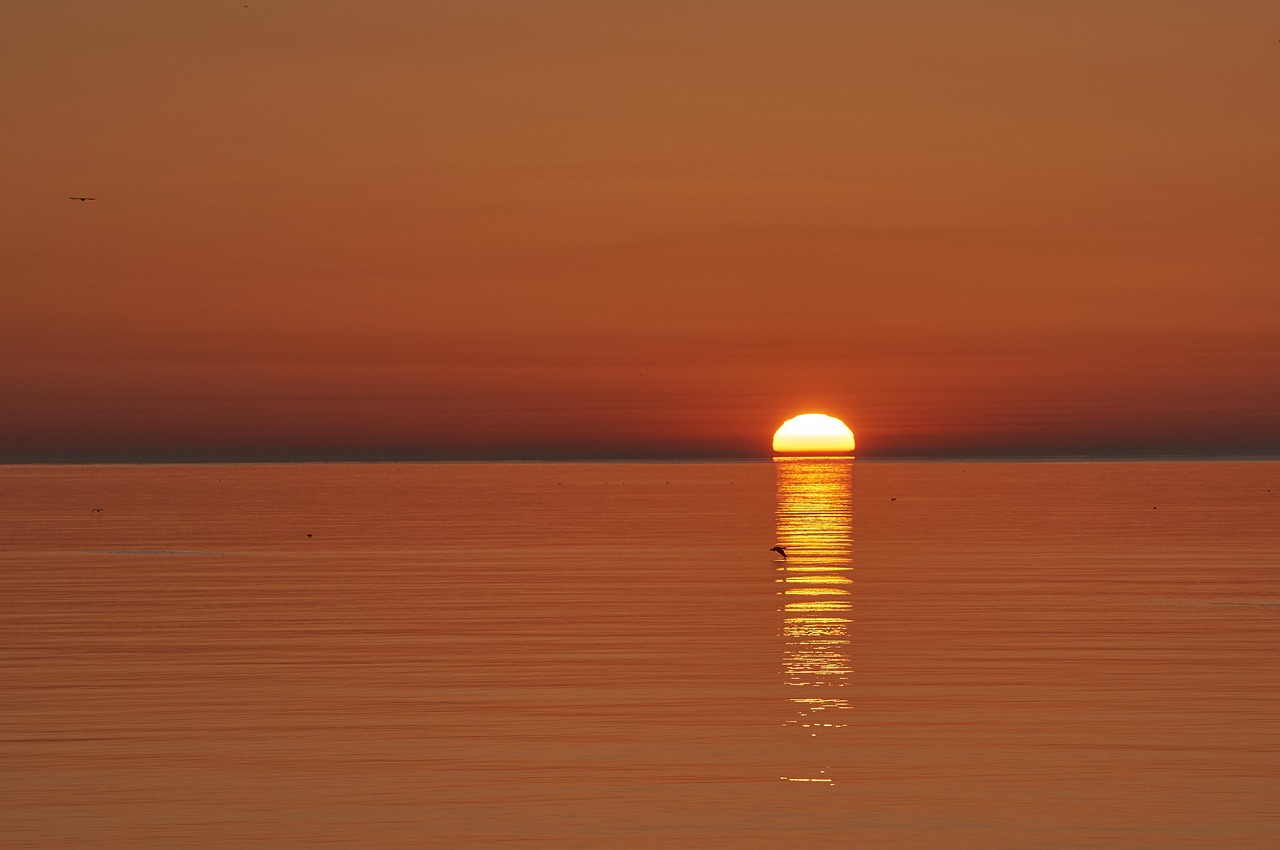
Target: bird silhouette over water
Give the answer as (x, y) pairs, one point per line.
(780, 551)
(81, 199)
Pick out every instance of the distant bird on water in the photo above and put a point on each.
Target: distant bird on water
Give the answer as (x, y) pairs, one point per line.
(82, 199)
(780, 551)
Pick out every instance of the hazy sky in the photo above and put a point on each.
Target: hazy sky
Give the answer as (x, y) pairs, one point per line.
(406, 228)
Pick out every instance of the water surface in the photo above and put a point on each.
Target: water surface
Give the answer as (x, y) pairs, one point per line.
(963, 655)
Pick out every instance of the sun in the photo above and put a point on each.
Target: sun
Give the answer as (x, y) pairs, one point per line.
(813, 433)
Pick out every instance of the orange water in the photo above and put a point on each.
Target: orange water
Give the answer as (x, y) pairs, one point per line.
(976, 655)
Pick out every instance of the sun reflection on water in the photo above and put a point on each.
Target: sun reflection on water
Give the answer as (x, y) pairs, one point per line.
(814, 526)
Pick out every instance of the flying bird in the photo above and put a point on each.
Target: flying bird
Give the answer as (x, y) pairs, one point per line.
(780, 551)
(81, 199)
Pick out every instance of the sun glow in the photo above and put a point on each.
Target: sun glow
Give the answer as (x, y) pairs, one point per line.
(813, 433)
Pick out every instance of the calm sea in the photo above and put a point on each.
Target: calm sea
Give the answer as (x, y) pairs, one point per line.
(952, 655)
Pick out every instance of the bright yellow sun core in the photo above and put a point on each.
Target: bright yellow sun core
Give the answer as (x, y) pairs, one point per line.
(813, 433)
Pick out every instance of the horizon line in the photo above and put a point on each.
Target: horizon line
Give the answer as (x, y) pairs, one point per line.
(373, 458)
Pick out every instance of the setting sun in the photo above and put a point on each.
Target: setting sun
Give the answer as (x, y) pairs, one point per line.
(813, 433)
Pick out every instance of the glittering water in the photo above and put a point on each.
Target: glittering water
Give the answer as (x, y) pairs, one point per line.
(963, 655)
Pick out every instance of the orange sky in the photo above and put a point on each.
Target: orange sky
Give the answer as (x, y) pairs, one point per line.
(401, 228)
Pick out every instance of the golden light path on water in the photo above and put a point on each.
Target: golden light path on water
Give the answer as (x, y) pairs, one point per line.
(815, 527)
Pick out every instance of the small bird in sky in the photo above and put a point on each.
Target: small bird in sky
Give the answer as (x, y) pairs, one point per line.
(81, 199)
(780, 551)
